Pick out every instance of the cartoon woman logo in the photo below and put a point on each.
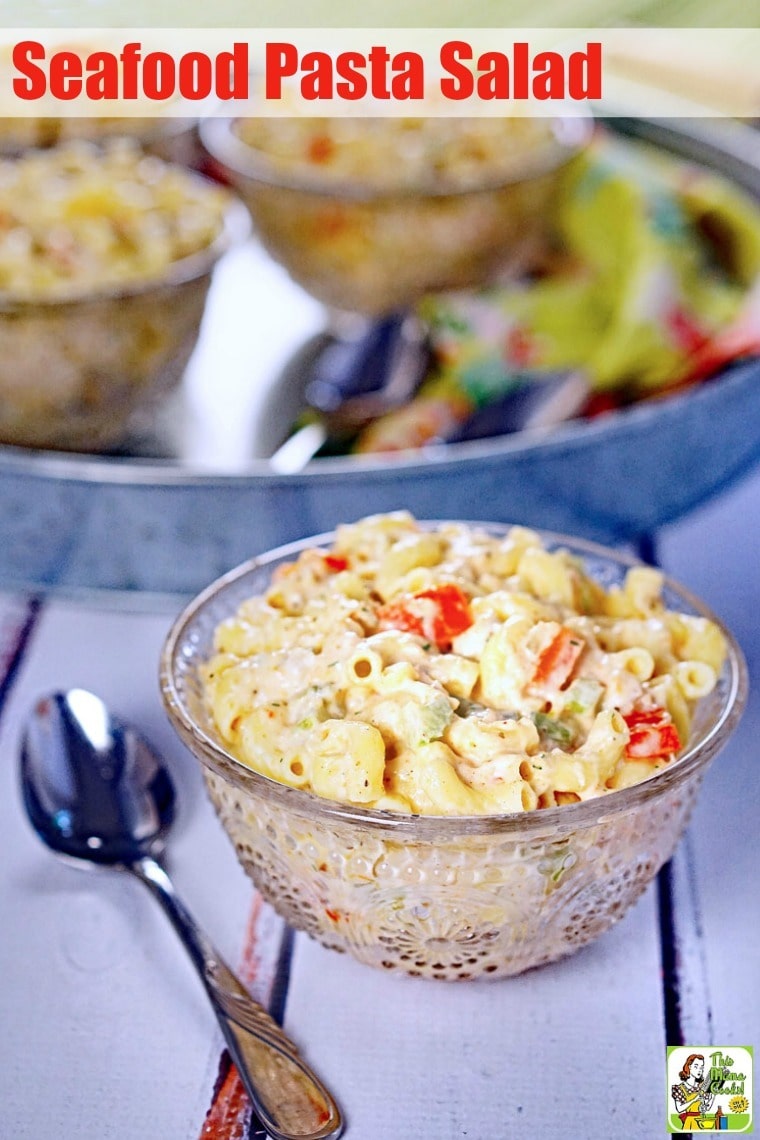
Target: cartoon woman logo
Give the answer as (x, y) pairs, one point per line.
(692, 1097)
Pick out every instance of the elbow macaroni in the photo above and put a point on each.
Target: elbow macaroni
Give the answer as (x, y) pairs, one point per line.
(456, 673)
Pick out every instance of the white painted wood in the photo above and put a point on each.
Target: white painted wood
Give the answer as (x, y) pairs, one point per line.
(127, 1046)
(695, 999)
(573, 1049)
(110, 1036)
(717, 553)
(106, 1033)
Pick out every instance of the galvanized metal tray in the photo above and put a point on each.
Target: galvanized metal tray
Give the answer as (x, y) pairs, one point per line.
(195, 494)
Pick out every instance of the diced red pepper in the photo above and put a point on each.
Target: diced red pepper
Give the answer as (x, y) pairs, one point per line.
(321, 148)
(653, 735)
(454, 605)
(335, 563)
(556, 664)
(329, 223)
(400, 615)
(441, 622)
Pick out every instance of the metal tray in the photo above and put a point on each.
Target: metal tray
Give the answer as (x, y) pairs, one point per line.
(194, 495)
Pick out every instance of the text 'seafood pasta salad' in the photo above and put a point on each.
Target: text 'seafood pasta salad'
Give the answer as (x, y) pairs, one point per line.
(450, 672)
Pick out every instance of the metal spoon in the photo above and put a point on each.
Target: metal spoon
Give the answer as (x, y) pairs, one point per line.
(353, 380)
(95, 790)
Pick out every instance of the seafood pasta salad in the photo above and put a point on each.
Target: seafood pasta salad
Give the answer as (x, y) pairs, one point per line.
(77, 218)
(397, 155)
(451, 672)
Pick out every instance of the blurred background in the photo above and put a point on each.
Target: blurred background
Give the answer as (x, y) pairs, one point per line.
(527, 320)
(382, 13)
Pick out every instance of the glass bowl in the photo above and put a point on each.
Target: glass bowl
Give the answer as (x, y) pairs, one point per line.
(174, 139)
(78, 373)
(452, 897)
(373, 248)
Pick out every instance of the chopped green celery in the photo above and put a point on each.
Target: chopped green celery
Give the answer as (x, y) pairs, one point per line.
(583, 696)
(411, 723)
(434, 718)
(553, 729)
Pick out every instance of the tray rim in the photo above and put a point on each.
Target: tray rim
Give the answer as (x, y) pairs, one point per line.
(139, 472)
(701, 140)
(732, 144)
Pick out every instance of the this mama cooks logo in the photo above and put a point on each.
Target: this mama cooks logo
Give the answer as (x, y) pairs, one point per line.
(710, 1088)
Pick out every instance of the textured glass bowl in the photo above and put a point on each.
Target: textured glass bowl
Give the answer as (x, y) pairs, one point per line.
(442, 897)
(77, 374)
(371, 250)
(174, 140)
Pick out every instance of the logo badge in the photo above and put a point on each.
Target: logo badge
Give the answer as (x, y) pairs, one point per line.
(710, 1089)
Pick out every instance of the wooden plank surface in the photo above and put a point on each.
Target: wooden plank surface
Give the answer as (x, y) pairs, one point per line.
(717, 553)
(580, 1040)
(90, 961)
(111, 1036)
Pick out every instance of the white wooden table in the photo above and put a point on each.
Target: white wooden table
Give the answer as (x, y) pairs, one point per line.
(106, 1034)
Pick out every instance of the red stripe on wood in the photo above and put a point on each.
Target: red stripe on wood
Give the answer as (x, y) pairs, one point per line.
(250, 959)
(229, 1116)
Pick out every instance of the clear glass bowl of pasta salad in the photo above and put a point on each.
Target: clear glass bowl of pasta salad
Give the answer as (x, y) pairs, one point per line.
(369, 214)
(106, 257)
(454, 750)
(174, 140)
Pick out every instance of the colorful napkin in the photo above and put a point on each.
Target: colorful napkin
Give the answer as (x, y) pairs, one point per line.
(651, 285)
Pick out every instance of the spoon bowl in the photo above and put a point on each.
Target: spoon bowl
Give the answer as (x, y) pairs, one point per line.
(93, 788)
(95, 791)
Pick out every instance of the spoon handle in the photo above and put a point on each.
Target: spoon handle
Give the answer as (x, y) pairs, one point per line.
(291, 1102)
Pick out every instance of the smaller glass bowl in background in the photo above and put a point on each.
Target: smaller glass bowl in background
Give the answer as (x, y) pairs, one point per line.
(172, 139)
(372, 247)
(76, 374)
(442, 897)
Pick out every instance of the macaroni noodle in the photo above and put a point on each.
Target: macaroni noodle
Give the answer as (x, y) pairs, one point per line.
(501, 679)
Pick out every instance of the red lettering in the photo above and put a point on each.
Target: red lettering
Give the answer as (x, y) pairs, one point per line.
(378, 62)
(494, 82)
(350, 75)
(232, 72)
(158, 75)
(520, 71)
(195, 75)
(352, 83)
(584, 73)
(280, 62)
(550, 82)
(129, 59)
(34, 83)
(461, 85)
(65, 75)
(410, 82)
(319, 85)
(103, 82)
